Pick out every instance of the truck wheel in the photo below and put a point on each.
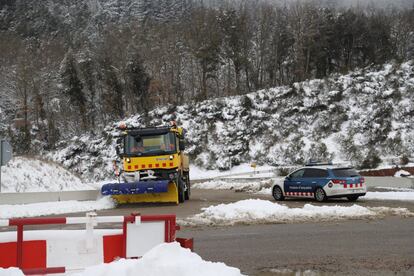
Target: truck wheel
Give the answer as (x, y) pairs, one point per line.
(320, 195)
(352, 197)
(181, 191)
(188, 191)
(277, 193)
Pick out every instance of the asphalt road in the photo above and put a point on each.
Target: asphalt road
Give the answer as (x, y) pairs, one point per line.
(381, 247)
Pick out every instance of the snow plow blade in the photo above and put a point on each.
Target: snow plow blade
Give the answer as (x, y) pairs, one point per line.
(142, 191)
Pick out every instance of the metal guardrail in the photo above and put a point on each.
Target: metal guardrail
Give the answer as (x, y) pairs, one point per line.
(389, 181)
(275, 170)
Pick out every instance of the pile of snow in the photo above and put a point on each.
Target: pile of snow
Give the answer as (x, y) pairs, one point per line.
(54, 208)
(253, 211)
(24, 174)
(165, 259)
(402, 173)
(402, 196)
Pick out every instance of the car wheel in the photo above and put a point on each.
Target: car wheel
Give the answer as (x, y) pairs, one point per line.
(188, 191)
(277, 193)
(352, 197)
(320, 195)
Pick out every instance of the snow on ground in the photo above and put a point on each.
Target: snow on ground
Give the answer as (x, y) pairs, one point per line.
(402, 196)
(402, 173)
(54, 208)
(252, 211)
(165, 259)
(25, 174)
(264, 191)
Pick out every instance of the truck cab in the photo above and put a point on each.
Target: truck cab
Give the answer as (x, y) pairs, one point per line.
(155, 167)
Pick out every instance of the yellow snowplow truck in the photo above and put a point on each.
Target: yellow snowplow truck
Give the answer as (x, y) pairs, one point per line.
(155, 167)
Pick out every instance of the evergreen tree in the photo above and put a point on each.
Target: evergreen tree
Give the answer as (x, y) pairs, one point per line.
(73, 88)
(138, 84)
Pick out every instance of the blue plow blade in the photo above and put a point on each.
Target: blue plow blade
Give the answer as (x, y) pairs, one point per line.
(139, 187)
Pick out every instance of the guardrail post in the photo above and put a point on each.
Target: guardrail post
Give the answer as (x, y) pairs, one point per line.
(127, 219)
(90, 224)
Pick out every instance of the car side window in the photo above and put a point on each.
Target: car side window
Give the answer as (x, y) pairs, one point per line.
(297, 174)
(315, 173)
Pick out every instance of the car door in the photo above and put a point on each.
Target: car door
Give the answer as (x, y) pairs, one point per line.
(293, 181)
(313, 178)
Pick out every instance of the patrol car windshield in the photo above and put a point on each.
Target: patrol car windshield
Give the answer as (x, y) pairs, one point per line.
(149, 145)
(345, 172)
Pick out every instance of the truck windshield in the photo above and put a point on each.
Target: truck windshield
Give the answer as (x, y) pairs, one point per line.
(150, 144)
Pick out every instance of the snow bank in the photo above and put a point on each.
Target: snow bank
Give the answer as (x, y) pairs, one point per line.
(24, 174)
(403, 196)
(252, 211)
(54, 208)
(165, 259)
(402, 173)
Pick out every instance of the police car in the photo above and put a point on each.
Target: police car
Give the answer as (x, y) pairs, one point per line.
(321, 181)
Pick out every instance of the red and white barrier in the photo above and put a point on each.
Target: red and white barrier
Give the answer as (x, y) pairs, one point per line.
(57, 251)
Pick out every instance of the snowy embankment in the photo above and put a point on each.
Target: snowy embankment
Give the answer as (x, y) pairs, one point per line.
(253, 211)
(165, 259)
(25, 174)
(54, 208)
(363, 116)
